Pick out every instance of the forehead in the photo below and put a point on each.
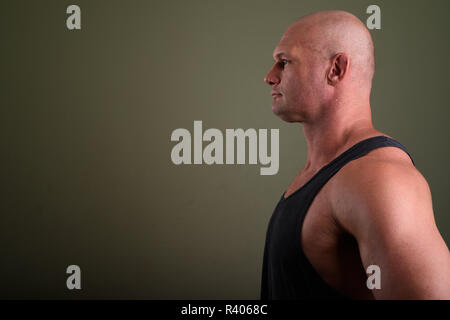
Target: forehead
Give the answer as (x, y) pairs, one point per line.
(291, 43)
(287, 47)
(301, 40)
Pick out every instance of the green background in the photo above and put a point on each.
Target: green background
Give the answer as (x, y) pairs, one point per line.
(86, 119)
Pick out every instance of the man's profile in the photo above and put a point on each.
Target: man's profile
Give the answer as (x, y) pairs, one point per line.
(359, 200)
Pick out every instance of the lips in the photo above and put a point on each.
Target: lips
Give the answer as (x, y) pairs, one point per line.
(275, 94)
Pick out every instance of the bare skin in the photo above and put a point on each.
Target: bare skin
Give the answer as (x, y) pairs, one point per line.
(377, 210)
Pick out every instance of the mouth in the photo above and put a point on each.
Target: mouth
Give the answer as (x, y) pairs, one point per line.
(275, 94)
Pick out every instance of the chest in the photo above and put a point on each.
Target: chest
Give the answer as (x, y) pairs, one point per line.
(333, 253)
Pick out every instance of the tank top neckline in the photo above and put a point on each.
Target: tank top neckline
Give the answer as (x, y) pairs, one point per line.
(356, 145)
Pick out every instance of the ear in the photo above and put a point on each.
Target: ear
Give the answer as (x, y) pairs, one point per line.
(339, 68)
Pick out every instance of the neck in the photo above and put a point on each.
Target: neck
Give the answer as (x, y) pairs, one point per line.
(327, 137)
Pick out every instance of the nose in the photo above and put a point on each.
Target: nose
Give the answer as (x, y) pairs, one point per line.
(271, 77)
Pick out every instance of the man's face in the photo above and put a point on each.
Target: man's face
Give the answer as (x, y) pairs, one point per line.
(298, 79)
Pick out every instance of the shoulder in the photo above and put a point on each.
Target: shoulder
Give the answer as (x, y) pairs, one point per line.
(381, 171)
(385, 203)
(382, 189)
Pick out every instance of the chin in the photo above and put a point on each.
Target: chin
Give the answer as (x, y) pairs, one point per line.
(278, 109)
(282, 115)
(285, 116)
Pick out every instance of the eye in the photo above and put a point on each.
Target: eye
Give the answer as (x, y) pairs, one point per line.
(284, 62)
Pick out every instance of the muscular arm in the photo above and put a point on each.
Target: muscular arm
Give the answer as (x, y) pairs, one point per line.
(388, 209)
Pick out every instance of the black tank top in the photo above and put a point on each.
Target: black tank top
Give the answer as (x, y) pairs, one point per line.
(286, 272)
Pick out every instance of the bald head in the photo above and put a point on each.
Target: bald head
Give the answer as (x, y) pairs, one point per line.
(324, 62)
(331, 32)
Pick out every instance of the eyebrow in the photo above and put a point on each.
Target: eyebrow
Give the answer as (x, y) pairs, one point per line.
(279, 54)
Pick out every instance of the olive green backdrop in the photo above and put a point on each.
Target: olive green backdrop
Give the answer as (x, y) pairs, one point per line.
(86, 119)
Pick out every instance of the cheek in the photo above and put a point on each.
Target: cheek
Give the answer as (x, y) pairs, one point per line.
(294, 85)
(302, 86)
(315, 83)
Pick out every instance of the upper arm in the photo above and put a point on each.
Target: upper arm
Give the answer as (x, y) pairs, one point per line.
(388, 209)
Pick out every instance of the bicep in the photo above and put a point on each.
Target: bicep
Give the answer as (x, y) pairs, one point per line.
(392, 221)
(413, 262)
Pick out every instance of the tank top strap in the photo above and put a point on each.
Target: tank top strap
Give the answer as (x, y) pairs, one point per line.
(359, 150)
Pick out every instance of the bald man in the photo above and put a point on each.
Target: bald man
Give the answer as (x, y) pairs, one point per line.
(359, 204)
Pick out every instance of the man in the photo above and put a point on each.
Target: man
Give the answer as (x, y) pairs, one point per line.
(359, 201)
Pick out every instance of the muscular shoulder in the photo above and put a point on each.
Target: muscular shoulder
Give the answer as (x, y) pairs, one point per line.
(385, 203)
(381, 189)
